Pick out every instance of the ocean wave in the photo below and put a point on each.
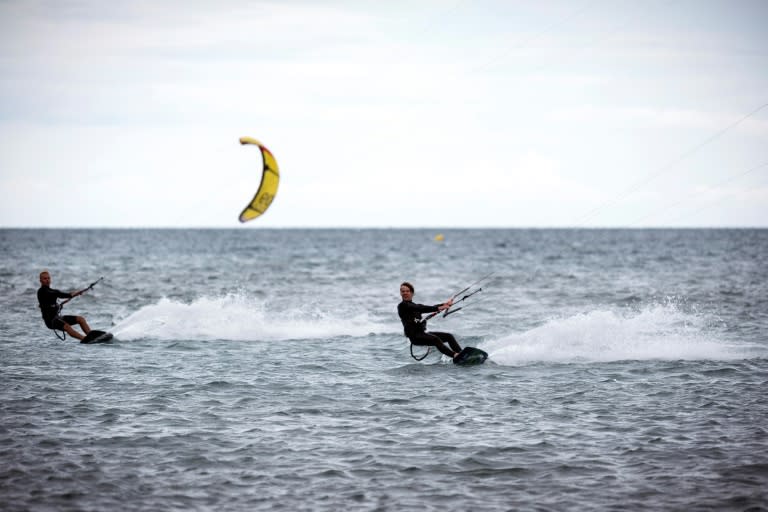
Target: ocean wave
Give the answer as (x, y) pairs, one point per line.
(239, 317)
(655, 332)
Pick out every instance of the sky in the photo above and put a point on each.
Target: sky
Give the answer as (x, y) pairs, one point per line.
(419, 113)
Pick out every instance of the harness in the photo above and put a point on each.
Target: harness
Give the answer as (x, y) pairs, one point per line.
(63, 336)
(429, 349)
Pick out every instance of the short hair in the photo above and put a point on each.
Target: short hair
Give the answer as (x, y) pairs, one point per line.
(407, 285)
(44, 272)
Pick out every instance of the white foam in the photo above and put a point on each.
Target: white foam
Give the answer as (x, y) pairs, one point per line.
(236, 317)
(660, 332)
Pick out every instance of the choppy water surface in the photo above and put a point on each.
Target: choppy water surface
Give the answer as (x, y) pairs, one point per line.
(266, 370)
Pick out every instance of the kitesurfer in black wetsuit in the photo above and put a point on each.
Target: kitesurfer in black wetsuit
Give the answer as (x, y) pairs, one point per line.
(47, 299)
(416, 330)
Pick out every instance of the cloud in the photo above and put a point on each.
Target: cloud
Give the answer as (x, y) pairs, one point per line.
(379, 114)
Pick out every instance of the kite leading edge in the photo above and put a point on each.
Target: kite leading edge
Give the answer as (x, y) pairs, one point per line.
(270, 178)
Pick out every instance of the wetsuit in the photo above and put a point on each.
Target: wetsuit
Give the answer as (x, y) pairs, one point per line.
(46, 298)
(416, 330)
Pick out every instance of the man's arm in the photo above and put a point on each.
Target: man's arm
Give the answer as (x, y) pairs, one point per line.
(421, 308)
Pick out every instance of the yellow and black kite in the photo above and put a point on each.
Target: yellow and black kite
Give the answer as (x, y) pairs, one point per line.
(268, 187)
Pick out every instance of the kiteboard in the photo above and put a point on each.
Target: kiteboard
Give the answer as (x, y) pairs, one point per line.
(470, 355)
(97, 337)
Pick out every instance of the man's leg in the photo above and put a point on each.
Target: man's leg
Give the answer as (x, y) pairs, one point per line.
(447, 337)
(83, 324)
(432, 339)
(72, 332)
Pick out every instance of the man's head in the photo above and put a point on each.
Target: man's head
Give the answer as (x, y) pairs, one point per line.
(45, 278)
(406, 291)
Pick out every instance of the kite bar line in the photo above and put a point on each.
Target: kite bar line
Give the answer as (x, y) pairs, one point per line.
(87, 288)
(452, 310)
(648, 178)
(468, 295)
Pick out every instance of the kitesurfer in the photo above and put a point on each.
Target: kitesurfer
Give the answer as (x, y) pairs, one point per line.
(47, 296)
(416, 330)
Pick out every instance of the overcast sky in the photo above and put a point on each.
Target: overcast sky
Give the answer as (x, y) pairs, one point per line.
(418, 113)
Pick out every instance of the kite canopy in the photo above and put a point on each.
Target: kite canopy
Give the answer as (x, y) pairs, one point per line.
(267, 189)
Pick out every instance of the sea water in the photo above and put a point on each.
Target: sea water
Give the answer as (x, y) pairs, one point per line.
(260, 369)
